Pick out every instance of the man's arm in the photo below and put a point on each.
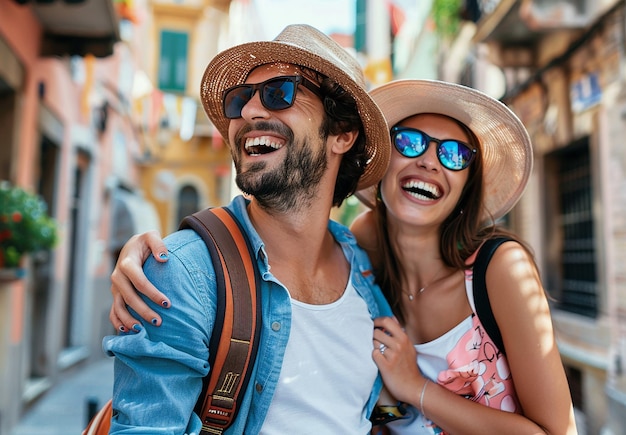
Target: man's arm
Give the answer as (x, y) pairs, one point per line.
(159, 371)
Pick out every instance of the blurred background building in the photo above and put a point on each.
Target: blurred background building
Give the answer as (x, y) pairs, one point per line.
(99, 114)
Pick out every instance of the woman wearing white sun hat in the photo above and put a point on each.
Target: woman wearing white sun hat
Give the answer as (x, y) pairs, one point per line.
(461, 160)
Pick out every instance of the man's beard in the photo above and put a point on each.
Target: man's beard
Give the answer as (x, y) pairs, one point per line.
(291, 186)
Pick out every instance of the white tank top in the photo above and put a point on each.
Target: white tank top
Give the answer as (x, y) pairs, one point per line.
(328, 372)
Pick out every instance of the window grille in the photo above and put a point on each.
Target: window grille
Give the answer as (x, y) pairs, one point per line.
(578, 282)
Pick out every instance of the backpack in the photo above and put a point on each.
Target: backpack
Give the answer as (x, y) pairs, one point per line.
(234, 342)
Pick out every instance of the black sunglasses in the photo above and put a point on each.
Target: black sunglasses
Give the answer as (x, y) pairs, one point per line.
(452, 154)
(277, 93)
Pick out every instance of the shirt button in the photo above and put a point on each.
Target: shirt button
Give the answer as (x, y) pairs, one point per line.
(275, 326)
(258, 387)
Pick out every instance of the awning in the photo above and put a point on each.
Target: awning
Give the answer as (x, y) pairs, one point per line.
(76, 27)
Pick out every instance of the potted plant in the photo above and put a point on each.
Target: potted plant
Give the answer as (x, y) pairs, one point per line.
(25, 226)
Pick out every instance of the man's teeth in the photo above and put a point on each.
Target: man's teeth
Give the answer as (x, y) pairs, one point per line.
(262, 141)
(422, 190)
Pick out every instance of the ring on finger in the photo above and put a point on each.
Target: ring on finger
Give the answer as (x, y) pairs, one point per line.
(382, 348)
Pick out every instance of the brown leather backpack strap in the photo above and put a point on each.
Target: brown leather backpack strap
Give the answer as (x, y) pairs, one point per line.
(234, 341)
(100, 423)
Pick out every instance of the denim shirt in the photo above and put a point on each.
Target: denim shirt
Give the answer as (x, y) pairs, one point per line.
(159, 370)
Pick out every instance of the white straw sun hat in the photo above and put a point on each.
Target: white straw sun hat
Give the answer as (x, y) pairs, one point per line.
(305, 46)
(505, 145)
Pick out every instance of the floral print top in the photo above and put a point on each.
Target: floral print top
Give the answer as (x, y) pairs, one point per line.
(464, 360)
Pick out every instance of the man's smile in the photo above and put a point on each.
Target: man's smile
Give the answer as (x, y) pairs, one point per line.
(255, 146)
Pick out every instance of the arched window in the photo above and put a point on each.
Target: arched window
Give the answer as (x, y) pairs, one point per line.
(187, 202)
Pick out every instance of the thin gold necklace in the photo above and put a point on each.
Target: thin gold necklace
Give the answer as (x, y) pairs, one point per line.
(421, 290)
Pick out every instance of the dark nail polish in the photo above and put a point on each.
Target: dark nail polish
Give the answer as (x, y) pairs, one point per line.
(122, 328)
(154, 321)
(165, 304)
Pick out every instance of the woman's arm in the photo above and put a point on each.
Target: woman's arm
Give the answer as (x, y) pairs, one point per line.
(521, 310)
(128, 278)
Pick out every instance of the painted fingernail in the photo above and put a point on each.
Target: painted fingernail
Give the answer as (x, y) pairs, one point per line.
(165, 304)
(136, 327)
(154, 321)
(163, 255)
(122, 328)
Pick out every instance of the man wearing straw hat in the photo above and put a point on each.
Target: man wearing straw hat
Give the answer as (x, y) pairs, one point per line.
(304, 134)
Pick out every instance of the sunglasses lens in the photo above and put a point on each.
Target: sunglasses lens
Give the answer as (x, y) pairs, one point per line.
(278, 94)
(454, 155)
(234, 100)
(410, 143)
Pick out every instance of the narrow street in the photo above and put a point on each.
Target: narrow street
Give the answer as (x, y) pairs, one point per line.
(63, 410)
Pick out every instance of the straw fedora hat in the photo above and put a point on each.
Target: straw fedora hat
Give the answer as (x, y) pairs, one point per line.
(305, 46)
(504, 142)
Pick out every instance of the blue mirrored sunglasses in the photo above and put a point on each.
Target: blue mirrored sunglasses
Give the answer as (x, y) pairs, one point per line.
(452, 154)
(277, 93)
